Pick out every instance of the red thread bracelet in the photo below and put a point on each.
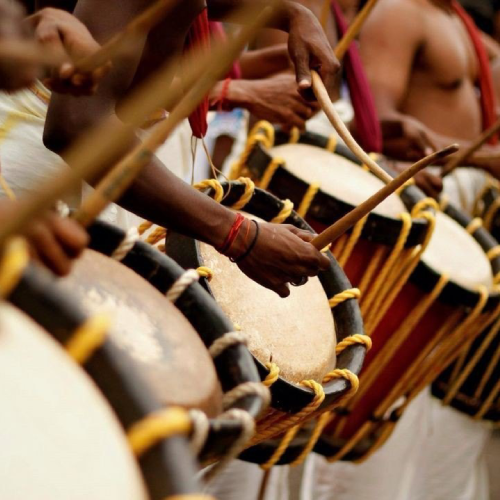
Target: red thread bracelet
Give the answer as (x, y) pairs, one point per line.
(233, 233)
(223, 94)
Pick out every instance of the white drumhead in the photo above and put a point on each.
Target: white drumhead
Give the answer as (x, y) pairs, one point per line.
(455, 252)
(296, 333)
(336, 176)
(59, 439)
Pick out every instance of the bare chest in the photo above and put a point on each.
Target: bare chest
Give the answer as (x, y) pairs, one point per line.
(447, 56)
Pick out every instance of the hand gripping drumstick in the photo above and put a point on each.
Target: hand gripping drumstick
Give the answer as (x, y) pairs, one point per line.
(119, 179)
(327, 106)
(336, 230)
(461, 158)
(90, 154)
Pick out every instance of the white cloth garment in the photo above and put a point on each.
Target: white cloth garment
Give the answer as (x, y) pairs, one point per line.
(25, 163)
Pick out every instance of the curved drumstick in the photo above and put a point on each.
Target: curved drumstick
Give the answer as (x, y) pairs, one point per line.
(354, 29)
(339, 126)
(336, 230)
(462, 157)
(143, 23)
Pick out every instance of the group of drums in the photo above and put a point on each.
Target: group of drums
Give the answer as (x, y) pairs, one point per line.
(119, 379)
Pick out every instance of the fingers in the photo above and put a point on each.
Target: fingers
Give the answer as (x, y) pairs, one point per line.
(72, 237)
(429, 184)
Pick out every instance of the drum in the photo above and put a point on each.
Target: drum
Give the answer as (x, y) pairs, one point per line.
(308, 348)
(153, 356)
(381, 251)
(487, 207)
(60, 439)
(411, 311)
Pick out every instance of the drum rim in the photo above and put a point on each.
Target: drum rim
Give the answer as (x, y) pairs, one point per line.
(378, 228)
(286, 396)
(426, 277)
(197, 306)
(38, 295)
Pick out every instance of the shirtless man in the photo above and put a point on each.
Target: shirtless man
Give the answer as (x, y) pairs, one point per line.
(423, 71)
(282, 254)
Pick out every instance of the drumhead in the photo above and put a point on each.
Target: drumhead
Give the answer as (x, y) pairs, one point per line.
(336, 176)
(59, 437)
(296, 333)
(455, 252)
(169, 354)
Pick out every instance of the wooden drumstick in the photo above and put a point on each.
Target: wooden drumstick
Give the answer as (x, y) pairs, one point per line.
(91, 153)
(462, 157)
(119, 179)
(142, 24)
(354, 29)
(327, 106)
(336, 230)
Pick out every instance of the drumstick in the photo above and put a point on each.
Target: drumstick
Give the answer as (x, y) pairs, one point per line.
(462, 157)
(119, 179)
(89, 154)
(142, 24)
(336, 230)
(327, 106)
(354, 29)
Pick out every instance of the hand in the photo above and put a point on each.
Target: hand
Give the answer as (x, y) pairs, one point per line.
(53, 240)
(309, 49)
(430, 184)
(407, 139)
(283, 254)
(63, 33)
(14, 76)
(274, 99)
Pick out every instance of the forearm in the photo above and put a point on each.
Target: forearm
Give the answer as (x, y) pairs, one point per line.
(262, 63)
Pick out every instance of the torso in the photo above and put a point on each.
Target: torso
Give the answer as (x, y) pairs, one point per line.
(444, 76)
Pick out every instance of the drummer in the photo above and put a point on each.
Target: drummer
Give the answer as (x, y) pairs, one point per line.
(53, 240)
(425, 73)
(280, 255)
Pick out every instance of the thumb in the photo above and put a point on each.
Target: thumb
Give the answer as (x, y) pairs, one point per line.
(302, 71)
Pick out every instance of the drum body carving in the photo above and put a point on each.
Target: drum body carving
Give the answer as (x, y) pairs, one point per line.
(294, 338)
(414, 311)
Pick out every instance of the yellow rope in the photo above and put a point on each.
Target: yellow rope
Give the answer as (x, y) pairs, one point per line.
(346, 374)
(158, 234)
(88, 338)
(308, 198)
(351, 242)
(423, 205)
(493, 253)
(12, 265)
(491, 213)
(215, 185)
(142, 228)
(247, 195)
(273, 375)
(205, 272)
(278, 452)
(294, 136)
(474, 225)
(156, 427)
(254, 138)
(339, 298)
(284, 213)
(265, 127)
(266, 179)
(332, 143)
(356, 339)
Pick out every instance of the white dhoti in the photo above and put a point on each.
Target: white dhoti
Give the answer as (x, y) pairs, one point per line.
(25, 163)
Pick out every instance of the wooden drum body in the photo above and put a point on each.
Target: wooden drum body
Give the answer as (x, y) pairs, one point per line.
(292, 340)
(154, 353)
(413, 313)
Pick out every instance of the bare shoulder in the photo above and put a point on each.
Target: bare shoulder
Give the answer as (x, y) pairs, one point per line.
(403, 17)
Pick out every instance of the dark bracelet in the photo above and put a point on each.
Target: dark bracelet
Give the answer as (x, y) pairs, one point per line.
(246, 253)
